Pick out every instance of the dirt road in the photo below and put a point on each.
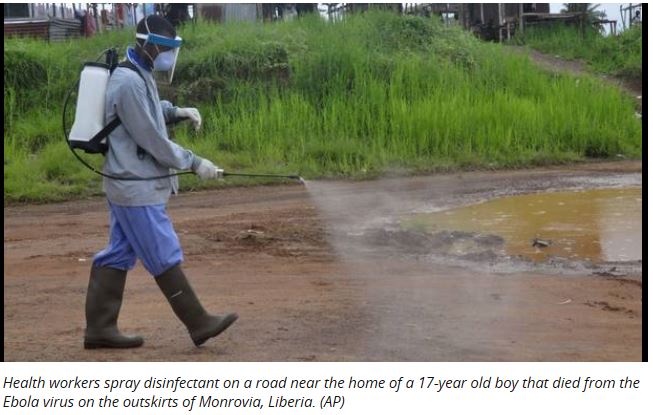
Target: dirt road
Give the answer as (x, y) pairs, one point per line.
(280, 257)
(632, 87)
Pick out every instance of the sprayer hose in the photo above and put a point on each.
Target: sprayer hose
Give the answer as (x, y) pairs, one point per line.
(93, 169)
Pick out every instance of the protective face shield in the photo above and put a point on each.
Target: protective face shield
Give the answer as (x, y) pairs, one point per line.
(166, 60)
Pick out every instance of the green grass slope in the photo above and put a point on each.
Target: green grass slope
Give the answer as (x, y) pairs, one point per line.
(358, 98)
(619, 55)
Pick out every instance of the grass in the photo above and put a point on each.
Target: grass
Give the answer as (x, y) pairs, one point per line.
(619, 55)
(357, 98)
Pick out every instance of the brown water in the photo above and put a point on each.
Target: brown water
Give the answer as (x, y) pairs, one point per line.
(595, 225)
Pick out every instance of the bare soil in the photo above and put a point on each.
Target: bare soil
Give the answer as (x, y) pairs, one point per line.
(278, 255)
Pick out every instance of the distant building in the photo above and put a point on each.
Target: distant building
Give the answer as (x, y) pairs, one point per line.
(48, 21)
(253, 12)
(499, 21)
(498, 14)
(58, 21)
(230, 12)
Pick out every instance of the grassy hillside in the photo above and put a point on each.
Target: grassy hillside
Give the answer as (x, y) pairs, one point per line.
(619, 55)
(358, 98)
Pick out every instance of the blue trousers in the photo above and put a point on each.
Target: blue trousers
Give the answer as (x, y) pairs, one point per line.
(143, 232)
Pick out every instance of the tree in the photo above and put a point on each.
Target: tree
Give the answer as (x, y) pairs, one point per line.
(589, 14)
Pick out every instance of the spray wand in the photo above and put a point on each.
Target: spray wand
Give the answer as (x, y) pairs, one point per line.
(222, 173)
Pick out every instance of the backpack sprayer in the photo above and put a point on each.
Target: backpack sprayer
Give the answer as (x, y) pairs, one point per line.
(89, 133)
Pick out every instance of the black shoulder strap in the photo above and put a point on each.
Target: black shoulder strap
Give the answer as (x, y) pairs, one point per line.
(96, 141)
(128, 64)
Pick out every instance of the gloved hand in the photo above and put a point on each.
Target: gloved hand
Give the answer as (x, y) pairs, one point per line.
(192, 114)
(207, 170)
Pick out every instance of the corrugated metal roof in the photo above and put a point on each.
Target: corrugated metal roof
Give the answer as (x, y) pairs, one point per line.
(238, 12)
(33, 28)
(23, 21)
(61, 29)
(47, 29)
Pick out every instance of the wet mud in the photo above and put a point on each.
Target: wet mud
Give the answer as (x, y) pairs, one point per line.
(330, 272)
(585, 231)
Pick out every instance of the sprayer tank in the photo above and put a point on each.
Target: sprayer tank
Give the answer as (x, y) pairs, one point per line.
(89, 114)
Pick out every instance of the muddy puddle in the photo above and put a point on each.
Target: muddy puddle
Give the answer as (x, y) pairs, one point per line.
(595, 225)
(581, 223)
(595, 231)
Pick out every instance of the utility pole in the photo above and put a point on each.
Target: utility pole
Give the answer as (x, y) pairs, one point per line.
(97, 22)
(621, 13)
(500, 11)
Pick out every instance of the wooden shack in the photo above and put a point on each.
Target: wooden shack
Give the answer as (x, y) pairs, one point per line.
(52, 29)
(47, 21)
(499, 21)
(490, 21)
(37, 28)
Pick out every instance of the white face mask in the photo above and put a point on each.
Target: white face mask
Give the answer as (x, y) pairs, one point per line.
(165, 61)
